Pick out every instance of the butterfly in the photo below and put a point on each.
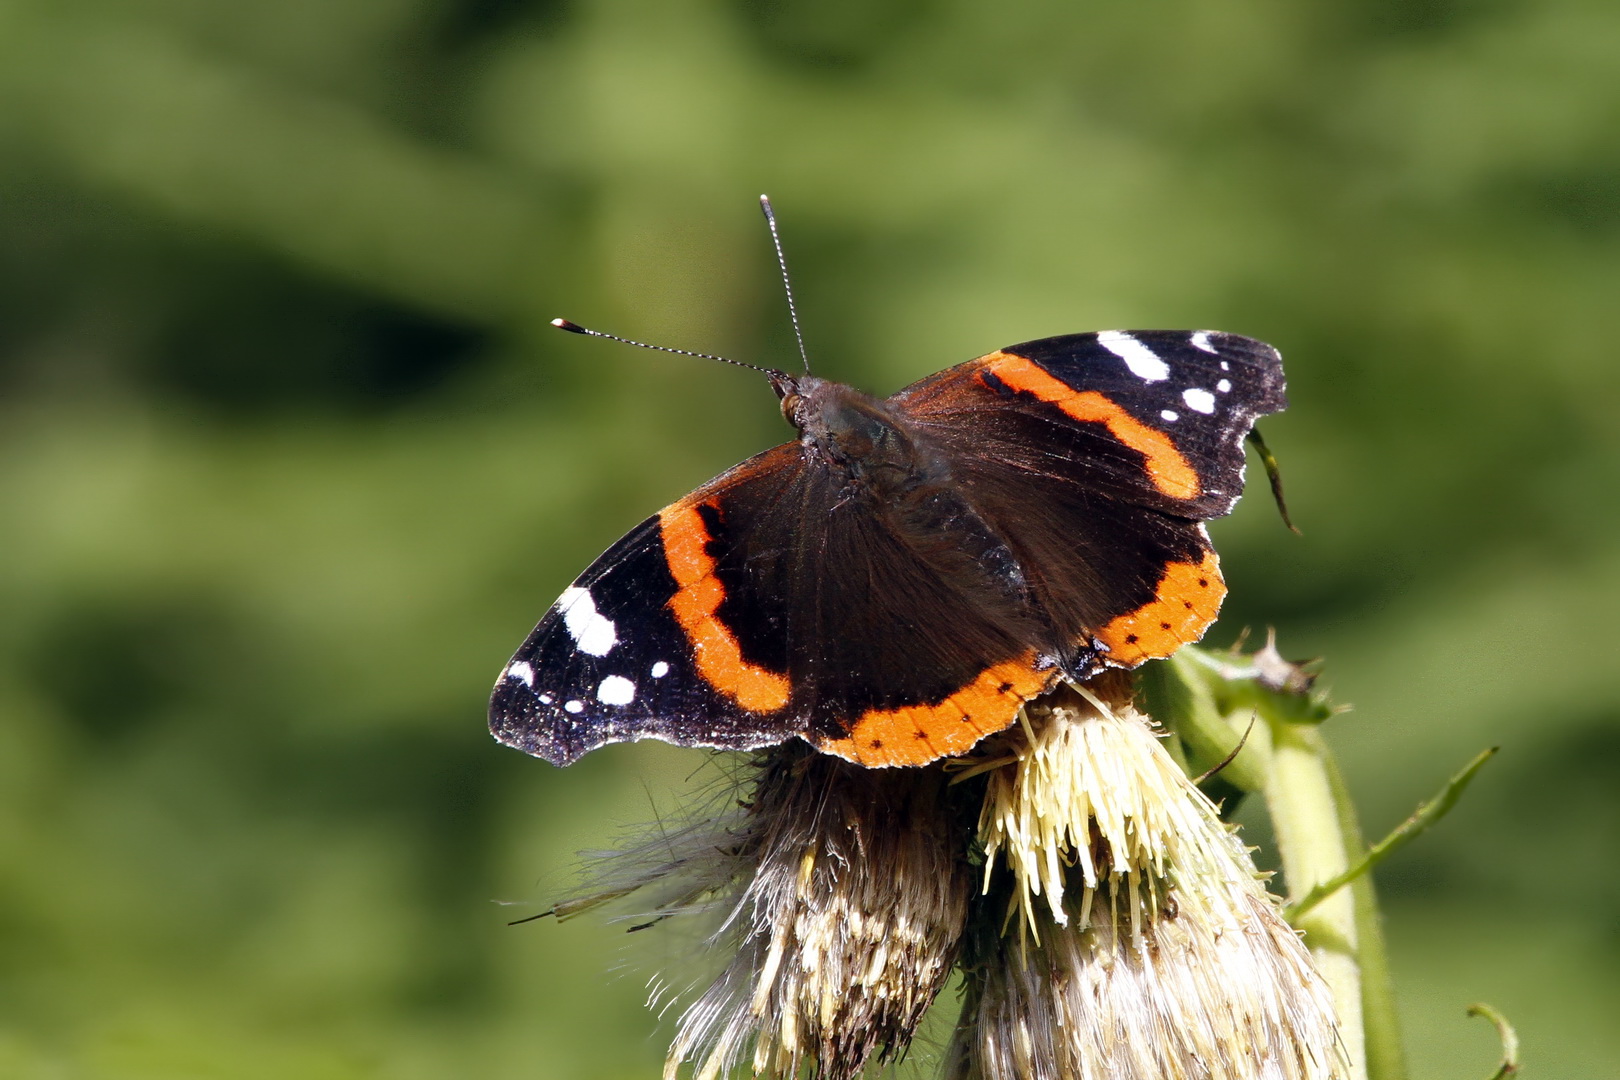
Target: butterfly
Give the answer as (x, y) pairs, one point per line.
(895, 583)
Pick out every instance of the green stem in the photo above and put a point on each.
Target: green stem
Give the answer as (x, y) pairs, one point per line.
(1318, 839)
(1386, 1056)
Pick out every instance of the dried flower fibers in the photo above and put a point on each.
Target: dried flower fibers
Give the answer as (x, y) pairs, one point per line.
(839, 896)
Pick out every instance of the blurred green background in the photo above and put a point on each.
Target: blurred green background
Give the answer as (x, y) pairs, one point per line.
(289, 462)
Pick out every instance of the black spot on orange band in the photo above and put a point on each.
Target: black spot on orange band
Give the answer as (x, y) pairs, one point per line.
(918, 734)
(1186, 601)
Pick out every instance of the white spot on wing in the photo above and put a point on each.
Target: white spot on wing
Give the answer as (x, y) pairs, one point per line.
(546, 699)
(1143, 361)
(616, 690)
(592, 632)
(1224, 385)
(1225, 366)
(1200, 340)
(575, 707)
(1170, 414)
(520, 669)
(660, 669)
(1199, 400)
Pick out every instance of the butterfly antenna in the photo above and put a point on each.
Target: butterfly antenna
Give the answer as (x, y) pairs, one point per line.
(787, 285)
(575, 328)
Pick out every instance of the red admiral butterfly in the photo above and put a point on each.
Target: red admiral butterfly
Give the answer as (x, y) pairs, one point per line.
(895, 583)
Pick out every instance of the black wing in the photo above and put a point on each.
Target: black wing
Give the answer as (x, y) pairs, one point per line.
(611, 662)
(1098, 457)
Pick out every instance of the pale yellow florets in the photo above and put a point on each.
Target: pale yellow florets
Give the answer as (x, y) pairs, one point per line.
(1154, 949)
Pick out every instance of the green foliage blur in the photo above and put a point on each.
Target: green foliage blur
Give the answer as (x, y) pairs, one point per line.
(290, 462)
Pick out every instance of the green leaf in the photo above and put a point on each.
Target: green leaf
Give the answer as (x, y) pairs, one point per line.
(1424, 816)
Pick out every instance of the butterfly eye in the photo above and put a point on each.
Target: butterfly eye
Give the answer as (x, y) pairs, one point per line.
(790, 408)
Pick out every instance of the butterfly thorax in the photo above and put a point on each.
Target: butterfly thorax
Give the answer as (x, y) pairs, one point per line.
(890, 471)
(881, 456)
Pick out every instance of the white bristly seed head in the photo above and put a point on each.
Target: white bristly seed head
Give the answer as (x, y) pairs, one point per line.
(1145, 943)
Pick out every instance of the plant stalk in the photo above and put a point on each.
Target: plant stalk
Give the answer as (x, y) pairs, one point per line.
(1318, 839)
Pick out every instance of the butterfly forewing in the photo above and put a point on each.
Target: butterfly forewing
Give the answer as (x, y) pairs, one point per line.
(1152, 417)
(612, 661)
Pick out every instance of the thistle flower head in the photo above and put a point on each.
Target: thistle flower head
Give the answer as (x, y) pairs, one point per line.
(1110, 926)
(1154, 949)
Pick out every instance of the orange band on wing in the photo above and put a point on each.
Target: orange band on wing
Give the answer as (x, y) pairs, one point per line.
(918, 734)
(714, 647)
(1186, 602)
(1169, 471)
